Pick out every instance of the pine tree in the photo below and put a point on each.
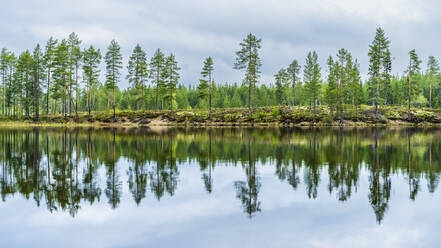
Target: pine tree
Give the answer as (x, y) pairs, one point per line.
(49, 57)
(206, 73)
(379, 64)
(4, 63)
(311, 77)
(281, 79)
(294, 75)
(91, 62)
(62, 74)
(138, 73)
(75, 56)
(10, 90)
(156, 68)
(113, 60)
(171, 74)
(24, 88)
(38, 78)
(248, 59)
(344, 66)
(412, 71)
(432, 72)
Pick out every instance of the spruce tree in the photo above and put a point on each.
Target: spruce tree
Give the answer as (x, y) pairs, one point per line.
(412, 71)
(331, 90)
(281, 79)
(206, 73)
(49, 57)
(344, 66)
(247, 58)
(432, 72)
(156, 67)
(171, 74)
(62, 74)
(10, 99)
(74, 63)
(379, 64)
(25, 64)
(4, 63)
(355, 86)
(311, 77)
(138, 73)
(113, 60)
(91, 62)
(38, 70)
(294, 75)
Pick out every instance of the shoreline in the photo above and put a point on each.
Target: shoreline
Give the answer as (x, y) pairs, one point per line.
(14, 124)
(299, 116)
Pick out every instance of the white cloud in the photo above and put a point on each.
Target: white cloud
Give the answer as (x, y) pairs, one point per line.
(196, 29)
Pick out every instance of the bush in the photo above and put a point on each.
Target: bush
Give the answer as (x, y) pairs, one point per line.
(276, 112)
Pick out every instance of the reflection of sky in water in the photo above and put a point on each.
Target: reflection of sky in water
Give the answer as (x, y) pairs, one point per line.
(194, 218)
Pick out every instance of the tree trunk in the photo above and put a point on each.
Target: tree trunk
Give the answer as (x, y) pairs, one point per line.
(294, 90)
(48, 82)
(341, 95)
(114, 114)
(430, 92)
(211, 92)
(76, 91)
(409, 83)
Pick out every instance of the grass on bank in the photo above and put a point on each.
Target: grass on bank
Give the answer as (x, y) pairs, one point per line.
(264, 115)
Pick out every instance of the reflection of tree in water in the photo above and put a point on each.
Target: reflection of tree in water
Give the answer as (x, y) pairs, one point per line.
(206, 162)
(60, 168)
(312, 170)
(91, 190)
(113, 183)
(157, 174)
(138, 172)
(412, 173)
(248, 192)
(432, 176)
(379, 184)
(343, 173)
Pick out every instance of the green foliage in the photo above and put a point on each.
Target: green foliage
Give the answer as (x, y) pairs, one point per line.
(171, 75)
(247, 58)
(91, 61)
(138, 73)
(379, 67)
(48, 80)
(311, 77)
(281, 80)
(157, 64)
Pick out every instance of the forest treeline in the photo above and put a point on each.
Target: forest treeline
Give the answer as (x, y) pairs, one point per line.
(62, 77)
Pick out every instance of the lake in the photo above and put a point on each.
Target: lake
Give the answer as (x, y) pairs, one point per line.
(261, 187)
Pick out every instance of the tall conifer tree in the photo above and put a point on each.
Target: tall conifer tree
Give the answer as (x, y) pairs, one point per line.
(91, 62)
(311, 77)
(113, 60)
(49, 57)
(157, 64)
(248, 59)
(379, 64)
(293, 74)
(412, 71)
(432, 72)
(138, 73)
(171, 73)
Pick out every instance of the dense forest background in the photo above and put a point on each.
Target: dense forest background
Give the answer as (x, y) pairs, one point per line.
(62, 77)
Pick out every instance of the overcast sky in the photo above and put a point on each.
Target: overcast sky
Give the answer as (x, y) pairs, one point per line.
(195, 29)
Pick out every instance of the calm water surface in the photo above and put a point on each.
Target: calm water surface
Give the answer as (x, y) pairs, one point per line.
(220, 187)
